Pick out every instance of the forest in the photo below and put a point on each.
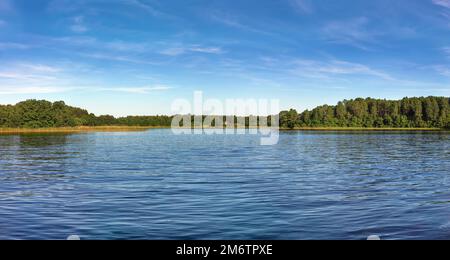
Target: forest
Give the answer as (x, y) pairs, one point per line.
(45, 114)
(423, 112)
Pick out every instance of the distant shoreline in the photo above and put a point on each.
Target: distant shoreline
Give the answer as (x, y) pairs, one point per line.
(85, 129)
(408, 114)
(360, 129)
(80, 129)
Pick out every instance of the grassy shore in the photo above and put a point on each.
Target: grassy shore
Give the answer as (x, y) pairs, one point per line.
(79, 129)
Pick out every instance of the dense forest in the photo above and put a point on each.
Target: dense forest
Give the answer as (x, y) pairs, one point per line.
(424, 112)
(44, 114)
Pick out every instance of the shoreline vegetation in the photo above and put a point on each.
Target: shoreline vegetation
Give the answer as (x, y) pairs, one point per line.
(76, 129)
(408, 114)
(393, 129)
(90, 129)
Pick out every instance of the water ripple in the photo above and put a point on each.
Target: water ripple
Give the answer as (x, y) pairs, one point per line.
(155, 185)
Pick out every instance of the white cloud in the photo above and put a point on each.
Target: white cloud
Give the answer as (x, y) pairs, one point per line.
(104, 6)
(13, 45)
(176, 51)
(443, 70)
(138, 4)
(21, 78)
(94, 43)
(119, 58)
(137, 90)
(78, 25)
(41, 68)
(317, 69)
(125, 51)
(24, 76)
(76, 40)
(446, 51)
(127, 46)
(30, 78)
(29, 72)
(443, 3)
(173, 51)
(234, 22)
(210, 50)
(351, 32)
(445, 10)
(20, 90)
(228, 20)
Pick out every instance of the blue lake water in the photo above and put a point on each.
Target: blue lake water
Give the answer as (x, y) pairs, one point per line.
(155, 185)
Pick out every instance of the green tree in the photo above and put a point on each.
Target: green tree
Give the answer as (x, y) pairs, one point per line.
(289, 119)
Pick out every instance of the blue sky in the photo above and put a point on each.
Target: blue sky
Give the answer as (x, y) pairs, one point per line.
(136, 56)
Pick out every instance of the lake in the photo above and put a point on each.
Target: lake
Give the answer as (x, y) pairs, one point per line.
(156, 185)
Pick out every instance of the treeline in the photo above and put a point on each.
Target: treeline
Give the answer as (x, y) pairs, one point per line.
(424, 112)
(44, 114)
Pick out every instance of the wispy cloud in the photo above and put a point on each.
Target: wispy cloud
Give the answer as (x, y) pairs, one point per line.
(319, 69)
(173, 51)
(302, 6)
(444, 3)
(127, 46)
(234, 22)
(94, 44)
(352, 32)
(210, 50)
(123, 50)
(176, 51)
(13, 45)
(23, 90)
(228, 20)
(30, 78)
(26, 72)
(35, 78)
(41, 68)
(442, 70)
(78, 25)
(74, 40)
(137, 90)
(324, 70)
(119, 58)
(147, 7)
(2, 23)
(445, 12)
(137, 3)
(446, 51)
(146, 53)
(126, 7)
(23, 76)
